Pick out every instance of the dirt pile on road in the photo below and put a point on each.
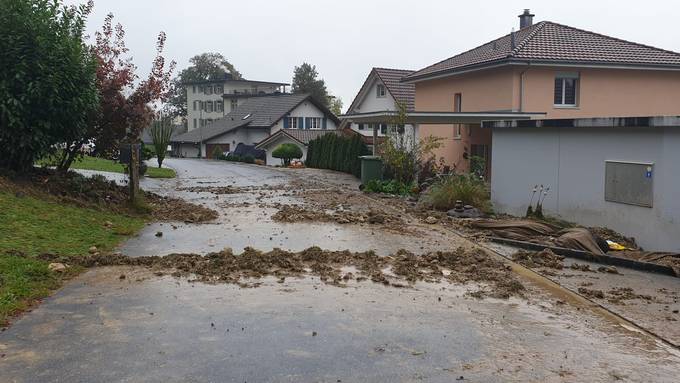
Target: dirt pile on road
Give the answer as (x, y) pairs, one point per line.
(298, 213)
(492, 277)
(173, 209)
(544, 258)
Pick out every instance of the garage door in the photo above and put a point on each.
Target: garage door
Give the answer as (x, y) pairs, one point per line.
(210, 149)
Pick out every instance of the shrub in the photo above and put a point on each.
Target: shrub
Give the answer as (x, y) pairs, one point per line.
(337, 153)
(47, 79)
(286, 152)
(444, 193)
(389, 187)
(148, 152)
(249, 159)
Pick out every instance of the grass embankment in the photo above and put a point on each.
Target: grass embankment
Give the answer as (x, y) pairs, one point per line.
(104, 165)
(32, 225)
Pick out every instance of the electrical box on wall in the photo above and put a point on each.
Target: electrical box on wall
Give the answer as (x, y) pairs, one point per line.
(629, 183)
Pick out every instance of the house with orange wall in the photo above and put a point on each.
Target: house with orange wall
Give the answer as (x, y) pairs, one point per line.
(545, 68)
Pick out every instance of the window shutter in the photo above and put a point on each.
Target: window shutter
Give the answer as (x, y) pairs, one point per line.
(301, 123)
(323, 123)
(308, 122)
(285, 122)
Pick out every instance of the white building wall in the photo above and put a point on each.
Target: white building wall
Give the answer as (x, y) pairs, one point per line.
(306, 109)
(272, 161)
(572, 162)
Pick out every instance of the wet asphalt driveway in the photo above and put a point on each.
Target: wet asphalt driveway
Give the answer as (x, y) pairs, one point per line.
(146, 328)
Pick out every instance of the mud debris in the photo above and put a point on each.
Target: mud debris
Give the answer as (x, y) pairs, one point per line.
(491, 277)
(173, 209)
(618, 295)
(545, 258)
(218, 190)
(591, 293)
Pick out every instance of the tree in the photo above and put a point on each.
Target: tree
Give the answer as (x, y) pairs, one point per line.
(125, 108)
(47, 78)
(305, 81)
(161, 133)
(335, 105)
(204, 67)
(286, 152)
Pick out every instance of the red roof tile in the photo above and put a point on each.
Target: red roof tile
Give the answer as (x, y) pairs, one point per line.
(553, 43)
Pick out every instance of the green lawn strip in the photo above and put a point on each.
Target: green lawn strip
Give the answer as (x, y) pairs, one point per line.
(34, 226)
(104, 165)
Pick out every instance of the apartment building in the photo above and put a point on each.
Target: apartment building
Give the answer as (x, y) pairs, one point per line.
(210, 100)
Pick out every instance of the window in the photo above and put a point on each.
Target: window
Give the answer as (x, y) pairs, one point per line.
(313, 123)
(219, 106)
(566, 89)
(200, 89)
(194, 123)
(219, 89)
(380, 90)
(292, 122)
(361, 126)
(209, 106)
(234, 104)
(193, 89)
(458, 102)
(383, 128)
(209, 89)
(195, 105)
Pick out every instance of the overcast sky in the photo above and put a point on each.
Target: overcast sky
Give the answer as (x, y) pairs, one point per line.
(266, 39)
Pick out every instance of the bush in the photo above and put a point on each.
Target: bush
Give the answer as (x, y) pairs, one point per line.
(390, 187)
(337, 153)
(286, 152)
(249, 159)
(444, 193)
(47, 79)
(148, 152)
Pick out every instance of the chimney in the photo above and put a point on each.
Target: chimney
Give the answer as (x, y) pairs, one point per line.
(526, 19)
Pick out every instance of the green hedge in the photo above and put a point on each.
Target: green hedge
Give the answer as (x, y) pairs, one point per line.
(337, 153)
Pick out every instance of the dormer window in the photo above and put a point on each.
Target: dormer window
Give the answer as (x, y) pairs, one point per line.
(380, 90)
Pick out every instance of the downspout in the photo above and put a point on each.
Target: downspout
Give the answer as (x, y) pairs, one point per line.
(521, 88)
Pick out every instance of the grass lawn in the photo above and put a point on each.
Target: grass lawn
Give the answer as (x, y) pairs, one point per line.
(101, 164)
(34, 226)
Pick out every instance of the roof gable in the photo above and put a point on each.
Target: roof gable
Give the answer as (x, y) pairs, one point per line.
(549, 42)
(256, 112)
(402, 92)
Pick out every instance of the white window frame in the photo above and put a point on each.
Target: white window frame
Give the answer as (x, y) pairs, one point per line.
(293, 123)
(195, 105)
(563, 76)
(209, 106)
(233, 104)
(458, 102)
(315, 123)
(219, 106)
(380, 91)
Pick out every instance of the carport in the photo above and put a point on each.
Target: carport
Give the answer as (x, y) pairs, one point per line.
(479, 142)
(435, 118)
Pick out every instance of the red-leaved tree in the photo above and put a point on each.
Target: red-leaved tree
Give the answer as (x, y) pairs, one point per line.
(126, 106)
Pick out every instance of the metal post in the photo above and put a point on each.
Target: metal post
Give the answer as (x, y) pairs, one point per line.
(375, 139)
(134, 172)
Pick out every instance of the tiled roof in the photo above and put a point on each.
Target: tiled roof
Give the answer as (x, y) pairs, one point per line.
(402, 92)
(257, 112)
(303, 136)
(549, 42)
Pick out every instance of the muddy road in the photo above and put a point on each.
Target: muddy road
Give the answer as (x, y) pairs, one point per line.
(127, 323)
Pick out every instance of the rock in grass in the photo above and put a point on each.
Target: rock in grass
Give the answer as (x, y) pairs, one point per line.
(57, 267)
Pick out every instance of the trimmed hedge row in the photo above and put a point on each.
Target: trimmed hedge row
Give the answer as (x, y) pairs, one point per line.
(337, 153)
